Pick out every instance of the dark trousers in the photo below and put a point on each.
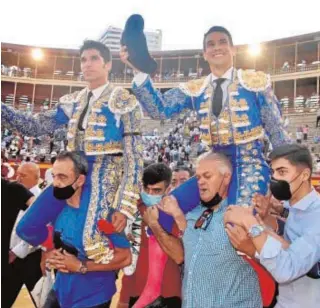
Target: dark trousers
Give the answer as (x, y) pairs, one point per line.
(318, 121)
(52, 302)
(22, 271)
(170, 302)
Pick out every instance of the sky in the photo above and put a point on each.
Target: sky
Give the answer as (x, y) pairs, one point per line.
(66, 23)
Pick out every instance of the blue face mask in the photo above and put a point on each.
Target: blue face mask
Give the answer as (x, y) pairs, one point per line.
(150, 200)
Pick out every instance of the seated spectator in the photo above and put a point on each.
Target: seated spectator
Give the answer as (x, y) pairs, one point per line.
(285, 65)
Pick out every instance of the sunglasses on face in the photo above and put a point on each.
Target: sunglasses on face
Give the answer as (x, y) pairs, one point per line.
(204, 220)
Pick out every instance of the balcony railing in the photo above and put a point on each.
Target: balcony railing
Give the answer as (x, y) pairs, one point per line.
(298, 68)
(290, 111)
(125, 79)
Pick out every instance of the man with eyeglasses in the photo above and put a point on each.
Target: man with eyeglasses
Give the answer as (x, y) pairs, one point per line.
(215, 275)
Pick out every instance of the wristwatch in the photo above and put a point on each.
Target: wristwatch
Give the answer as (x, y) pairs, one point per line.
(83, 267)
(256, 230)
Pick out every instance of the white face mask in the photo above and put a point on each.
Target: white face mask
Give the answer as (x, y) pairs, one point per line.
(150, 200)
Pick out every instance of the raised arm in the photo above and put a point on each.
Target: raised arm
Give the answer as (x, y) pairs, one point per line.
(36, 125)
(160, 105)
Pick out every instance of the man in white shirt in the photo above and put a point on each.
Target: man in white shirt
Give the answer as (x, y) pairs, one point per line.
(28, 175)
(24, 259)
(291, 259)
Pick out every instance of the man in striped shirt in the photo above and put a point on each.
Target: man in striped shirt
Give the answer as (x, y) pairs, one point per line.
(215, 275)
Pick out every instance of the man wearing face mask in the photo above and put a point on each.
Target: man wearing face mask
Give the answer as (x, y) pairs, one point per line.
(80, 282)
(156, 181)
(214, 274)
(293, 259)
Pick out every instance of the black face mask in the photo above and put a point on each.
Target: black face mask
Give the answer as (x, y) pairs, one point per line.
(64, 193)
(280, 189)
(214, 201)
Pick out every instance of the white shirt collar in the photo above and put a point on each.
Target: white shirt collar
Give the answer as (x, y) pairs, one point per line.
(96, 93)
(226, 75)
(35, 190)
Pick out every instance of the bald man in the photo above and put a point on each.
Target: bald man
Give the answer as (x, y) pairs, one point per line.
(28, 174)
(24, 259)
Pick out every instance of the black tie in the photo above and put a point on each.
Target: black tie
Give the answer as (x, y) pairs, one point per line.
(84, 112)
(217, 97)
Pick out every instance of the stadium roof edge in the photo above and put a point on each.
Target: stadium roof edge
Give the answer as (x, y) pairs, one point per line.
(75, 52)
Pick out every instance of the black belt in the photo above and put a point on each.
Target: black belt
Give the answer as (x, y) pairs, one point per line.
(131, 134)
(115, 154)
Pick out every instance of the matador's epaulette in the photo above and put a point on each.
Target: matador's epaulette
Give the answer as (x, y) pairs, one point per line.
(121, 101)
(254, 81)
(194, 87)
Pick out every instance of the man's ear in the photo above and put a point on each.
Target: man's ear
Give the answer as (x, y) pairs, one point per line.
(108, 66)
(225, 184)
(168, 190)
(81, 179)
(306, 175)
(204, 55)
(227, 177)
(233, 51)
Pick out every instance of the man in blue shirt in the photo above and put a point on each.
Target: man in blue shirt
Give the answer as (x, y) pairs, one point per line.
(292, 260)
(214, 274)
(79, 281)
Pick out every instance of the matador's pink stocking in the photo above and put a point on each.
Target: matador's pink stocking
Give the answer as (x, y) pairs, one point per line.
(157, 262)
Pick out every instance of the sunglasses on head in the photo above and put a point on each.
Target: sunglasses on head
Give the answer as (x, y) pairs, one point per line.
(204, 220)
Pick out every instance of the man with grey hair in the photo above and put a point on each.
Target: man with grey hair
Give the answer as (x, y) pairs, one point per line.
(215, 275)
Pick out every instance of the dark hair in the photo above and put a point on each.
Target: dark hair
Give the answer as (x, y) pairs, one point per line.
(103, 49)
(217, 29)
(80, 163)
(156, 173)
(297, 155)
(184, 168)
